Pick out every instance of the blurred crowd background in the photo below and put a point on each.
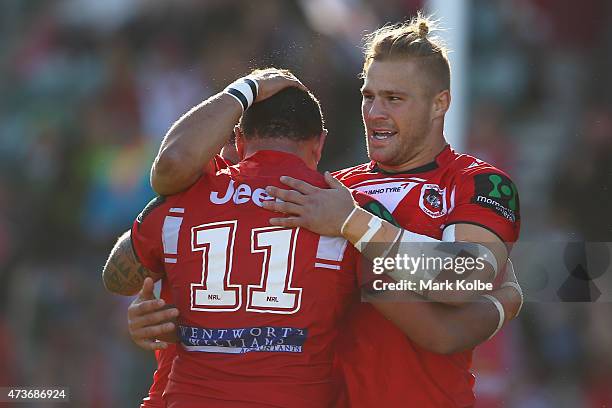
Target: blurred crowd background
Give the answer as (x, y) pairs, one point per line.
(88, 89)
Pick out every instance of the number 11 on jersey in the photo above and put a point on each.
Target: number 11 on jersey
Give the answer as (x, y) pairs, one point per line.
(273, 294)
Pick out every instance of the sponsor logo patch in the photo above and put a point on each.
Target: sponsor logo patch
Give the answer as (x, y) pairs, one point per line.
(390, 194)
(243, 339)
(497, 192)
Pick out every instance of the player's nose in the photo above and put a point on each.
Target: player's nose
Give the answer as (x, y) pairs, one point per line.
(375, 110)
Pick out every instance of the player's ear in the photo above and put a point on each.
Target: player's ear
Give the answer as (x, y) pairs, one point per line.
(441, 103)
(319, 145)
(239, 141)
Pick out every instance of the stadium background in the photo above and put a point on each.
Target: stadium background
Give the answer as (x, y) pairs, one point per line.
(88, 88)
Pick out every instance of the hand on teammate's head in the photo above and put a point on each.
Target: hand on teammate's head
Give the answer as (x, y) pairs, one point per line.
(272, 80)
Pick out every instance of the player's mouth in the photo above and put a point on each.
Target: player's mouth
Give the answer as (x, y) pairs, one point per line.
(381, 135)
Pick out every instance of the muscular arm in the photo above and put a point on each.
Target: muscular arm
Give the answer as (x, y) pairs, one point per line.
(468, 243)
(123, 274)
(192, 142)
(433, 325)
(446, 329)
(324, 211)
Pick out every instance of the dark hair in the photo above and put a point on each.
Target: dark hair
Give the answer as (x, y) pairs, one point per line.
(291, 113)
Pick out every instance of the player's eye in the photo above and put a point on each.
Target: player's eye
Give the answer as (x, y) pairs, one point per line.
(368, 97)
(394, 98)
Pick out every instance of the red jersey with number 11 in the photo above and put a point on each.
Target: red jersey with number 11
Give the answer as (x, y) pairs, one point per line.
(259, 305)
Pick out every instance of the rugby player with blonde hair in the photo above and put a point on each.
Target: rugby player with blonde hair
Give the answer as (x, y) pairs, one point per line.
(435, 193)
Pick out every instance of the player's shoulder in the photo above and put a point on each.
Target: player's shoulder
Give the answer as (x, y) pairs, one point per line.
(160, 206)
(466, 167)
(151, 206)
(486, 185)
(354, 173)
(298, 172)
(152, 209)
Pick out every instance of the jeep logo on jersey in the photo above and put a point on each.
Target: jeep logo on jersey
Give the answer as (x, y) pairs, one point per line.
(497, 192)
(433, 200)
(243, 194)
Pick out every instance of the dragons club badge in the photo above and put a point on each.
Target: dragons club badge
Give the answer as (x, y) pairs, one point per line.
(433, 200)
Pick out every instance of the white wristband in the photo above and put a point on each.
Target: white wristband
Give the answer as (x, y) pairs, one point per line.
(500, 309)
(373, 226)
(519, 290)
(244, 90)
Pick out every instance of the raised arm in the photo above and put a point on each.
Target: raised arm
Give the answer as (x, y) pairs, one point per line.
(191, 143)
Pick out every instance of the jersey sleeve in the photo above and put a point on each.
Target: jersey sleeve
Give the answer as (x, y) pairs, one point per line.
(146, 236)
(488, 198)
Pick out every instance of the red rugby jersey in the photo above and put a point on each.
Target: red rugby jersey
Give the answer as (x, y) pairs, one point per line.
(382, 367)
(166, 356)
(164, 360)
(259, 305)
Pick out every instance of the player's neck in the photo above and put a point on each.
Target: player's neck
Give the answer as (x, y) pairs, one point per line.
(426, 155)
(280, 145)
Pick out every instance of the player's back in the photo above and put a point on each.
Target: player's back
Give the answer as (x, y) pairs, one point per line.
(258, 304)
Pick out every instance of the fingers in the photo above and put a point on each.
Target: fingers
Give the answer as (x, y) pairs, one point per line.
(332, 182)
(282, 207)
(510, 272)
(298, 84)
(151, 345)
(291, 196)
(273, 80)
(139, 308)
(147, 289)
(290, 222)
(299, 185)
(152, 332)
(151, 319)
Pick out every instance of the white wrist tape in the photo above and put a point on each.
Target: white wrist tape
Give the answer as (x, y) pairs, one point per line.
(519, 290)
(373, 226)
(500, 310)
(244, 90)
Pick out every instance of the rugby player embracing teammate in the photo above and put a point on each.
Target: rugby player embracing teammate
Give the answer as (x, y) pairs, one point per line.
(227, 379)
(442, 196)
(434, 192)
(260, 306)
